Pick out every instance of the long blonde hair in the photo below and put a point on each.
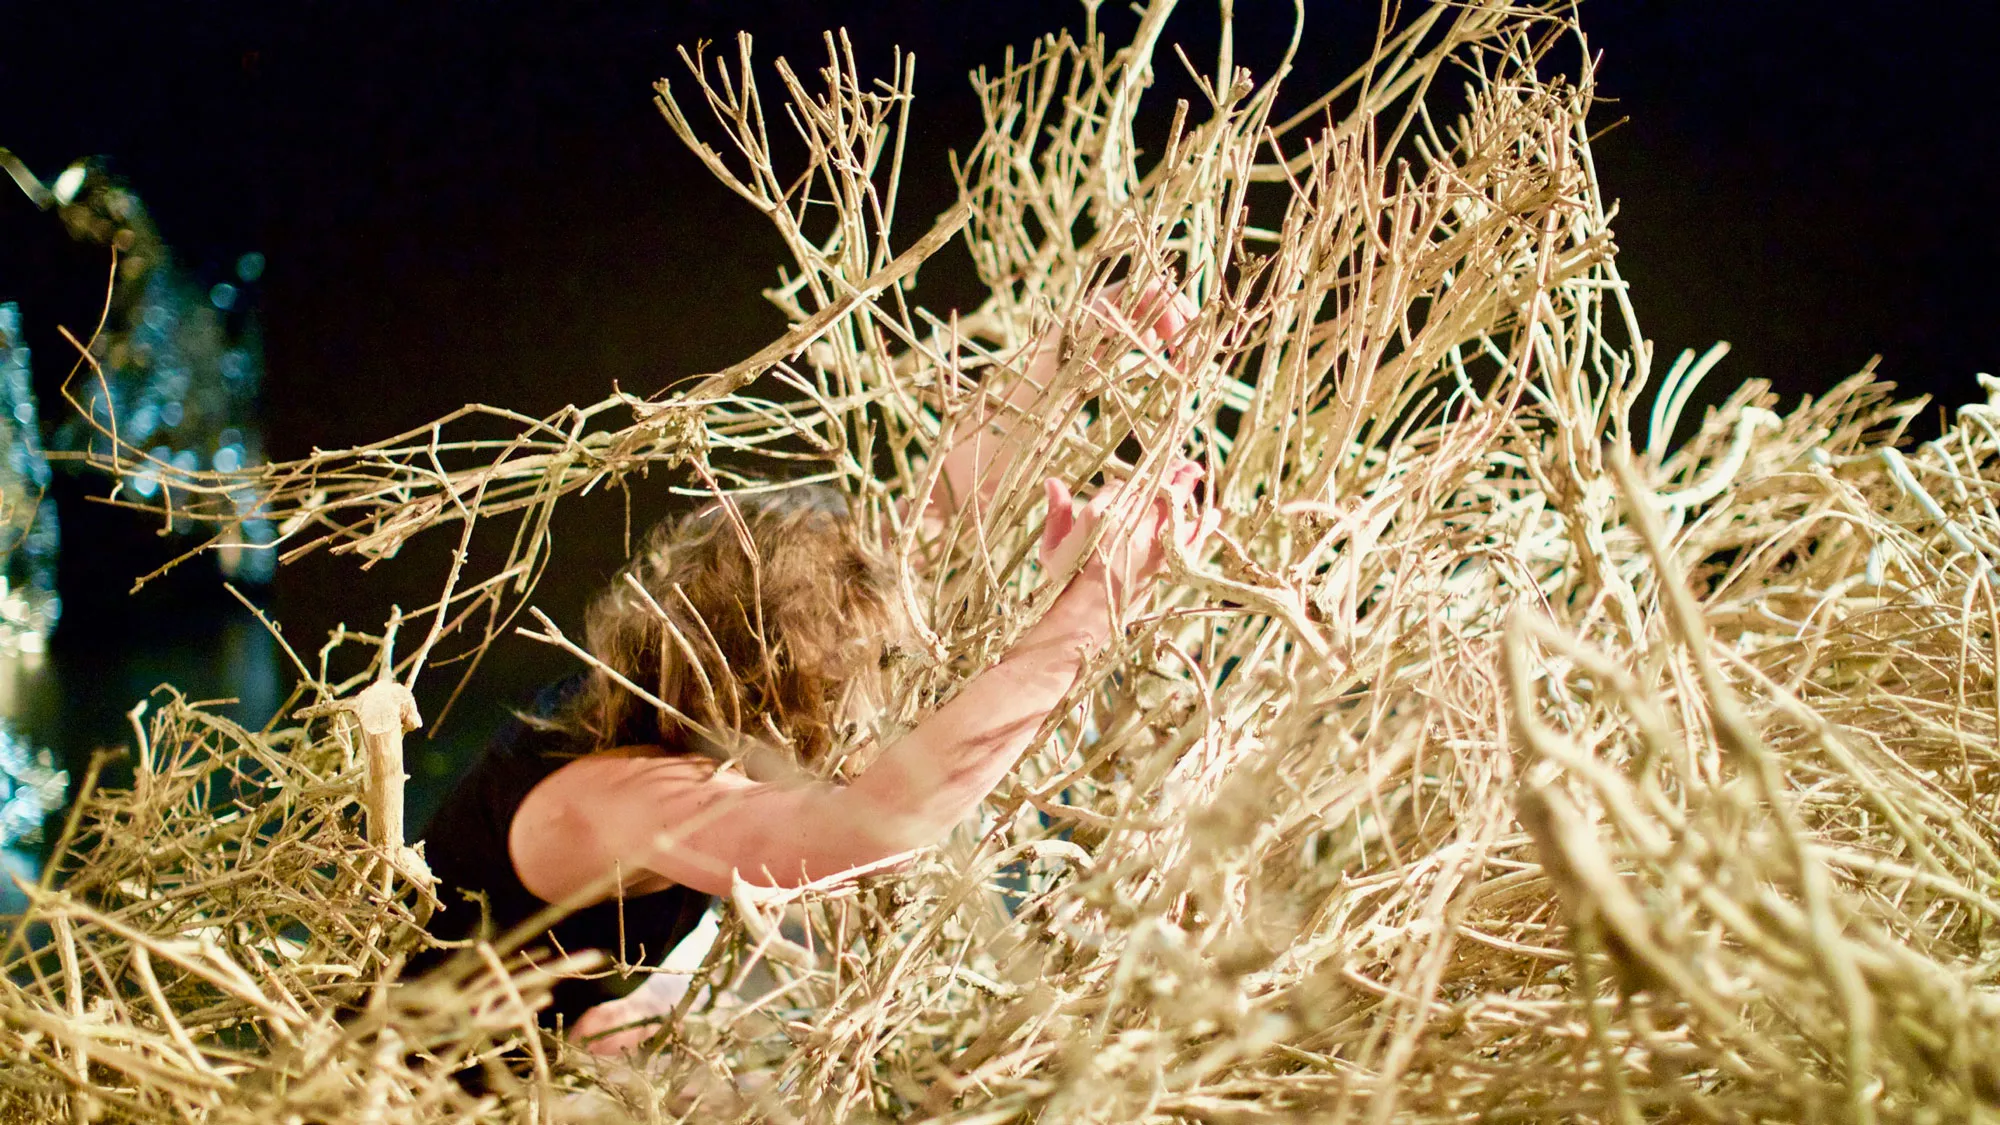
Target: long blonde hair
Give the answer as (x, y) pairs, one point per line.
(761, 616)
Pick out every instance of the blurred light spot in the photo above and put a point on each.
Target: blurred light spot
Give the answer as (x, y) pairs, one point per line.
(250, 267)
(70, 182)
(171, 413)
(145, 484)
(158, 317)
(235, 364)
(230, 435)
(24, 413)
(186, 461)
(144, 421)
(223, 296)
(229, 458)
(31, 787)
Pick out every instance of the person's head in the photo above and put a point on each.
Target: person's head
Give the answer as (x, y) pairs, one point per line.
(767, 615)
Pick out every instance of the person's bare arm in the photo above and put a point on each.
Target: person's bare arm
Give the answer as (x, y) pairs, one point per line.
(984, 444)
(679, 820)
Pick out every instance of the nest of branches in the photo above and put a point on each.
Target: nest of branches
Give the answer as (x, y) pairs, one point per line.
(1501, 758)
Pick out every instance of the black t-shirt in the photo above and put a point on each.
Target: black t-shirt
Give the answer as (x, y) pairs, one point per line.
(466, 846)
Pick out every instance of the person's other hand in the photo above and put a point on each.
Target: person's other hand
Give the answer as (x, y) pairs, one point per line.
(642, 1010)
(1158, 317)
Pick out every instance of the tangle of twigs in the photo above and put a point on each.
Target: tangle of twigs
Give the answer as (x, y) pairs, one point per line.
(1499, 761)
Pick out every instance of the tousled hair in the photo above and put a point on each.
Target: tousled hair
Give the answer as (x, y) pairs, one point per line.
(755, 617)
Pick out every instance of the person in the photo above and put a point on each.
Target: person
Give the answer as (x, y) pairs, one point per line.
(757, 631)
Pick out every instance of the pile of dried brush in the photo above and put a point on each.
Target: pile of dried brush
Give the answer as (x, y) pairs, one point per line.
(1499, 761)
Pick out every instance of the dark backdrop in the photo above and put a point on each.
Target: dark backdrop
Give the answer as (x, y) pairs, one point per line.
(478, 201)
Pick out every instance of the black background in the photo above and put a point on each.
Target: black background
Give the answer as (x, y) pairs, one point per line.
(478, 202)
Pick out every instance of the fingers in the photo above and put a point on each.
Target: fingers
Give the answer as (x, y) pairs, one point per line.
(1177, 487)
(1174, 491)
(1164, 313)
(1147, 522)
(1196, 532)
(589, 1028)
(1159, 316)
(1062, 515)
(1173, 500)
(1189, 530)
(1178, 312)
(626, 1042)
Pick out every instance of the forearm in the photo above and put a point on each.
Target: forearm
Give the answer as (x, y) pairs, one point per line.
(701, 834)
(984, 444)
(938, 773)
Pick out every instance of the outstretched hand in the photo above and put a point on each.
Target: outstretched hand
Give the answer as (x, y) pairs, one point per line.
(1130, 553)
(1158, 317)
(976, 463)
